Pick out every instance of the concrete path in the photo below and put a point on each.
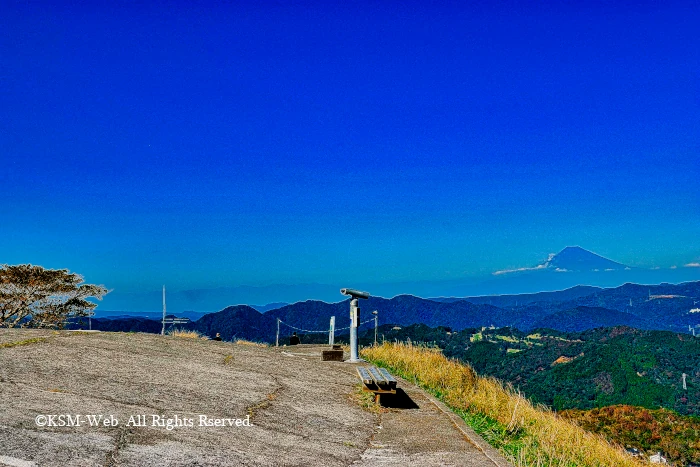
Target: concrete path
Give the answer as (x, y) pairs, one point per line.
(414, 428)
(428, 434)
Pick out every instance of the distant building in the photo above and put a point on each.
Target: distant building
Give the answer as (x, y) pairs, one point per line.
(634, 452)
(658, 459)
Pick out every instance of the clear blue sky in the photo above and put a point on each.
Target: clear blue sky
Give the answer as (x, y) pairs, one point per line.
(290, 142)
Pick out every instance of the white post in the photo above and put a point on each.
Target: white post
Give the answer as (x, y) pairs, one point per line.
(331, 332)
(355, 319)
(684, 386)
(162, 331)
(277, 339)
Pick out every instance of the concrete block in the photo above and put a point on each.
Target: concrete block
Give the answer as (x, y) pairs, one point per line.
(332, 356)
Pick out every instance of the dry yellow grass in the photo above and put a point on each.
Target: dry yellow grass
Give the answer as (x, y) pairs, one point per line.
(186, 334)
(33, 340)
(228, 360)
(255, 344)
(529, 436)
(365, 399)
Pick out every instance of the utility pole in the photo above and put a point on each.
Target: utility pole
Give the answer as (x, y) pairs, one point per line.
(174, 320)
(162, 331)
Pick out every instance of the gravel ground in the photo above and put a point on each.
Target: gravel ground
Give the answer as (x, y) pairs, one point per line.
(301, 410)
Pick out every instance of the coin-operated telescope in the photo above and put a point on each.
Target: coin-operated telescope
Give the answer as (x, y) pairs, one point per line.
(354, 320)
(355, 293)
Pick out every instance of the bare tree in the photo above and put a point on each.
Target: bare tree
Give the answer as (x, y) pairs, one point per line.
(31, 296)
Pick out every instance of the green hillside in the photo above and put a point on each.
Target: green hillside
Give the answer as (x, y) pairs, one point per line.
(594, 368)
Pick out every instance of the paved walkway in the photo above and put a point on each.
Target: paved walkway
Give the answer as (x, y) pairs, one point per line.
(427, 435)
(417, 429)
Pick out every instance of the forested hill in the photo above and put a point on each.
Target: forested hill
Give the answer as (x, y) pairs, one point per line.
(595, 368)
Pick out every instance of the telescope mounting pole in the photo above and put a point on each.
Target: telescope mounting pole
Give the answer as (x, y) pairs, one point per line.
(354, 321)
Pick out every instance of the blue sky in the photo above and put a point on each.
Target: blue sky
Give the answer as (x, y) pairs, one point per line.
(273, 142)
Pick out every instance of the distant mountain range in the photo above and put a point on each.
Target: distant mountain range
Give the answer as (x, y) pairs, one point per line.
(582, 318)
(523, 299)
(269, 306)
(661, 307)
(570, 267)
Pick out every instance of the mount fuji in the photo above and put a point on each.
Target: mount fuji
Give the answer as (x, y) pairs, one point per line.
(573, 259)
(574, 266)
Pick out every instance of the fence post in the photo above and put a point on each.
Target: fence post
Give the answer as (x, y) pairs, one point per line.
(354, 324)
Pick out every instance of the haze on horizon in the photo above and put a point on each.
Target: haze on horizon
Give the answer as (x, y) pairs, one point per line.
(259, 143)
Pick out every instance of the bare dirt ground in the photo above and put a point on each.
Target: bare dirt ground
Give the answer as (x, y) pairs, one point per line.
(303, 412)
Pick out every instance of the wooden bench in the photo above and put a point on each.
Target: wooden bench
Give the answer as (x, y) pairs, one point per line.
(377, 380)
